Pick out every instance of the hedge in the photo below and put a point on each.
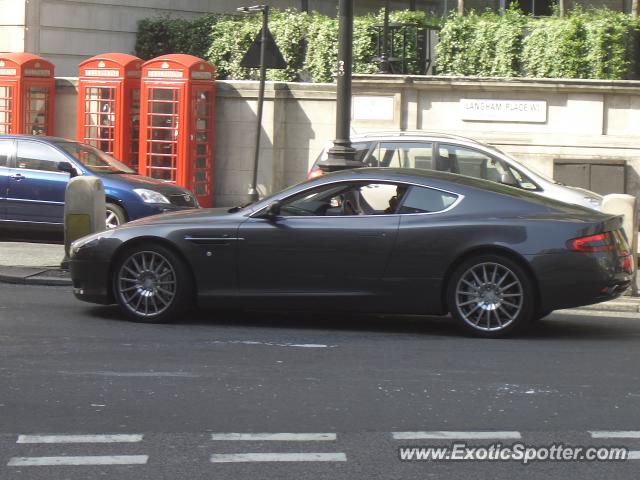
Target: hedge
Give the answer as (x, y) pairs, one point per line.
(599, 44)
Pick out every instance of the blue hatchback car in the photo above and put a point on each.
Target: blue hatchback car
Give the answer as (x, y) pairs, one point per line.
(34, 172)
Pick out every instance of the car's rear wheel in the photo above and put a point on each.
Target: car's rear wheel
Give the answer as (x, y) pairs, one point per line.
(490, 296)
(115, 215)
(152, 284)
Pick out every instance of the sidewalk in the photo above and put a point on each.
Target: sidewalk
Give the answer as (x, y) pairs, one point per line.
(39, 264)
(32, 263)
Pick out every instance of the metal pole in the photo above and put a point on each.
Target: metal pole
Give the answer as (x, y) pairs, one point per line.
(341, 154)
(254, 196)
(383, 66)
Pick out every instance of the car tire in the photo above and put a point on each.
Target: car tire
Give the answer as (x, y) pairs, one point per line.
(152, 284)
(491, 296)
(115, 215)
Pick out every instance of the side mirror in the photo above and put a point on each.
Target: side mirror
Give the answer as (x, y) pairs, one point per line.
(506, 178)
(67, 167)
(273, 210)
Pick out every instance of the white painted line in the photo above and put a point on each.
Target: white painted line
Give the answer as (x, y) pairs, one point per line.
(455, 435)
(279, 437)
(277, 457)
(85, 460)
(615, 434)
(633, 455)
(128, 438)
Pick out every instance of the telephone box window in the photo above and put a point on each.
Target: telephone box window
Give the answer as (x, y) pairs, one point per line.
(6, 109)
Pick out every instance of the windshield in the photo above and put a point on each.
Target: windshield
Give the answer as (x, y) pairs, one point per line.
(93, 159)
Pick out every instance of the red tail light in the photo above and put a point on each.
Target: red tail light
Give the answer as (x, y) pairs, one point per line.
(315, 173)
(602, 242)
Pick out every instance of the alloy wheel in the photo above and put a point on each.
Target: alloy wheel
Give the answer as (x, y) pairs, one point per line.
(146, 283)
(489, 296)
(111, 219)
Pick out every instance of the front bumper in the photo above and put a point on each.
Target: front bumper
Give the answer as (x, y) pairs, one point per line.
(91, 281)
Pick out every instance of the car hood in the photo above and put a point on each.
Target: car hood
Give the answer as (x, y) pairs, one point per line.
(201, 215)
(139, 181)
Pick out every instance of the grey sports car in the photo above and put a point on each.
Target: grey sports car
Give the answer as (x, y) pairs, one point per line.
(373, 240)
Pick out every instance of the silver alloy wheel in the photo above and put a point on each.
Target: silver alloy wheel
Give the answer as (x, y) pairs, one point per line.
(111, 219)
(146, 283)
(489, 296)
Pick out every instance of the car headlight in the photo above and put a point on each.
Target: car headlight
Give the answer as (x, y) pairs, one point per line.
(593, 202)
(150, 196)
(89, 241)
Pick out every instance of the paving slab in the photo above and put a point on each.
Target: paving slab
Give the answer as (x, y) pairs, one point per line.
(25, 254)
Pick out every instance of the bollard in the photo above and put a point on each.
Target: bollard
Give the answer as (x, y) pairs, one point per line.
(84, 210)
(626, 205)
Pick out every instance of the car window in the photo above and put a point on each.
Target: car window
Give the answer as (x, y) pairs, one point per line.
(403, 155)
(38, 156)
(362, 198)
(524, 181)
(466, 161)
(5, 150)
(426, 200)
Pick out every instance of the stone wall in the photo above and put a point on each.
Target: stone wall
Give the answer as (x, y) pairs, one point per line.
(585, 119)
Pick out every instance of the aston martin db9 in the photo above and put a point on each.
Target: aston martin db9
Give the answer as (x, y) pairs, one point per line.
(372, 240)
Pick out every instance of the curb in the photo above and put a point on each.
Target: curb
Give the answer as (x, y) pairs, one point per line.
(35, 276)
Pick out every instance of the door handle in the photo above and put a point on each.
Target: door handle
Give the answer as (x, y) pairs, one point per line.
(17, 176)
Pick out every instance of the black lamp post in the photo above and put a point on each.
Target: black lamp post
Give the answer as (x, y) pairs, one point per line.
(253, 190)
(341, 155)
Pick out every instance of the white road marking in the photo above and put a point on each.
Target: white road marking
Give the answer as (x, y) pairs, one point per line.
(614, 434)
(633, 455)
(80, 438)
(101, 373)
(277, 457)
(84, 460)
(284, 437)
(455, 435)
(273, 344)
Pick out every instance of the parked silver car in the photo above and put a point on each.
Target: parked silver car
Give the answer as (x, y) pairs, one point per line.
(456, 154)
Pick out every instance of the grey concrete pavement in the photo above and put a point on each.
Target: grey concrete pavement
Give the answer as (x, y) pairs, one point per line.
(32, 263)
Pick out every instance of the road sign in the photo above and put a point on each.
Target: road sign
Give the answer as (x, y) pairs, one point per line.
(272, 56)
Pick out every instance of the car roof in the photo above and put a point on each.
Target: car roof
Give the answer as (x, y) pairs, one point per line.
(408, 134)
(432, 178)
(42, 138)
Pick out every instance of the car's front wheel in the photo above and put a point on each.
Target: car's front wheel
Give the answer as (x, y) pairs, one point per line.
(490, 296)
(152, 284)
(115, 215)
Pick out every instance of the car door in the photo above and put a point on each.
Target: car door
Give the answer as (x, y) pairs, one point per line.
(424, 248)
(6, 151)
(35, 185)
(332, 241)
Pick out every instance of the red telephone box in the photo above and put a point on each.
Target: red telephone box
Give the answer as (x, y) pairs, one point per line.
(176, 122)
(27, 87)
(109, 105)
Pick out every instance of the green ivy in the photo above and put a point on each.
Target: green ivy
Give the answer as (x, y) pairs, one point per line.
(166, 35)
(584, 44)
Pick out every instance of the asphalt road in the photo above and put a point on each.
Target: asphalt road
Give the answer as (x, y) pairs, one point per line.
(80, 387)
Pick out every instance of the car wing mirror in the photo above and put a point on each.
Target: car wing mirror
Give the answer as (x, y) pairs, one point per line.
(67, 167)
(507, 178)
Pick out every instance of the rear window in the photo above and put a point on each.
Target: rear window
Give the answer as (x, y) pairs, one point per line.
(426, 200)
